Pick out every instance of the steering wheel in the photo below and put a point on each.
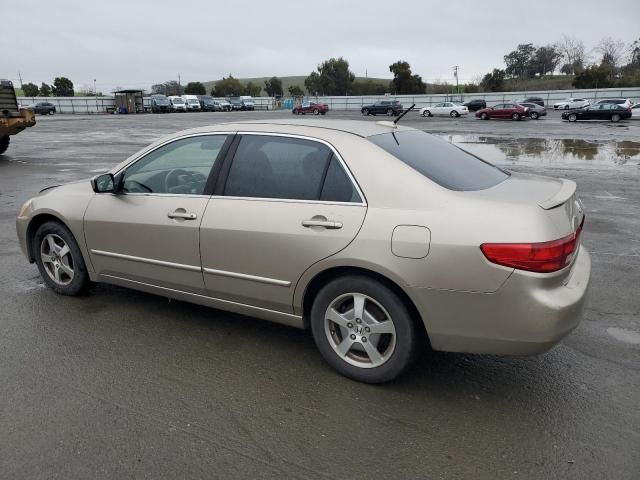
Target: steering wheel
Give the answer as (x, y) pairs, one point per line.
(179, 178)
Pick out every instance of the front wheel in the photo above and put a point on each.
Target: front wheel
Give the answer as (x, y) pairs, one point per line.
(426, 113)
(484, 116)
(389, 112)
(515, 116)
(615, 117)
(454, 114)
(365, 111)
(363, 329)
(316, 111)
(535, 115)
(4, 144)
(573, 117)
(566, 107)
(59, 259)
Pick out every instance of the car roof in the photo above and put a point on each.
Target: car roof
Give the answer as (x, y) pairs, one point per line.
(312, 127)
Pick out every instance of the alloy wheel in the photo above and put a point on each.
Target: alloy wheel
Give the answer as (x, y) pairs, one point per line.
(57, 259)
(360, 330)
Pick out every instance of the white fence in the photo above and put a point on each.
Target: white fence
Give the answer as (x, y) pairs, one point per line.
(93, 105)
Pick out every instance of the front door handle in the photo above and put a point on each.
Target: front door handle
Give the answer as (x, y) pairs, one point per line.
(322, 223)
(181, 213)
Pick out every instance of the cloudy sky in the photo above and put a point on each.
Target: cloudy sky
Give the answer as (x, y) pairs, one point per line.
(135, 43)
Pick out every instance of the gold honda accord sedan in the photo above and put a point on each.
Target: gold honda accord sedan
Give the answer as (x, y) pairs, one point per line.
(379, 238)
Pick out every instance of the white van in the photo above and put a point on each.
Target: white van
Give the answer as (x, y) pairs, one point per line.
(177, 104)
(192, 102)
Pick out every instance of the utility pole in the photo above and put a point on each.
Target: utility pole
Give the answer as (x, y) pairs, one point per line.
(95, 92)
(455, 74)
(20, 77)
(179, 85)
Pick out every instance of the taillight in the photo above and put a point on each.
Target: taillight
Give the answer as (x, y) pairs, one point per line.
(541, 257)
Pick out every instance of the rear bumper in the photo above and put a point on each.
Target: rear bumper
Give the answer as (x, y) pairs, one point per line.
(528, 315)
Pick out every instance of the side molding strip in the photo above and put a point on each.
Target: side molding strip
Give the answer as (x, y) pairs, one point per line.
(151, 261)
(244, 276)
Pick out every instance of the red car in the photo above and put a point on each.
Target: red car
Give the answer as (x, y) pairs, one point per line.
(310, 107)
(503, 110)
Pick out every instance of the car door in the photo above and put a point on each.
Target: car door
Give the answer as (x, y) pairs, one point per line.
(498, 111)
(287, 203)
(149, 230)
(446, 108)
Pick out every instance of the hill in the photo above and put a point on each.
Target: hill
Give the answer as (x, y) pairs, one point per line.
(286, 82)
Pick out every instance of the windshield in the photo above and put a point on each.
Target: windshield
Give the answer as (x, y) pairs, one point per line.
(179, 101)
(192, 101)
(435, 158)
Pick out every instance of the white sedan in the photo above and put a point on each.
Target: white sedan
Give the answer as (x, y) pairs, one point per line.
(444, 108)
(571, 103)
(635, 112)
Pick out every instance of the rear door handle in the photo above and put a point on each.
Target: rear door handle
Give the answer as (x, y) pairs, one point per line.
(322, 223)
(180, 213)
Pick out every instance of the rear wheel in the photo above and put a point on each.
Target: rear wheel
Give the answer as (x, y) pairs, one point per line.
(454, 114)
(515, 116)
(566, 107)
(4, 144)
(365, 111)
(615, 117)
(389, 112)
(316, 111)
(573, 117)
(59, 259)
(363, 329)
(535, 115)
(426, 113)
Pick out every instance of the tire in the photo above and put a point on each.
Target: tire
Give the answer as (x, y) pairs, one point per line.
(316, 111)
(454, 114)
(66, 284)
(4, 144)
(566, 107)
(572, 118)
(535, 115)
(365, 111)
(389, 112)
(615, 117)
(294, 111)
(426, 113)
(484, 116)
(515, 116)
(396, 348)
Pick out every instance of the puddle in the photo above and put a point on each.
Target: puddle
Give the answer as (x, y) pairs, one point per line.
(513, 151)
(624, 335)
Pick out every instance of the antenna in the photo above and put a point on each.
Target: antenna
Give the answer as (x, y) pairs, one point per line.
(403, 114)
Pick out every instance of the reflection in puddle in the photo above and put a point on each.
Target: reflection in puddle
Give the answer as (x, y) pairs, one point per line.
(549, 151)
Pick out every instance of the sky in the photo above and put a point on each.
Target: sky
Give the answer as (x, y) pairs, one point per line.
(136, 43)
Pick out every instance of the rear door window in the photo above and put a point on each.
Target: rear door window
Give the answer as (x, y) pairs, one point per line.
(435, 158)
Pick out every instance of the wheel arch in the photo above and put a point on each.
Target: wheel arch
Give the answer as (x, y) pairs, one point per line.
(323, 277)
(35, 223)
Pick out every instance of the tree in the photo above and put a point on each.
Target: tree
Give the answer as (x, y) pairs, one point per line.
(295, 91)
(62, 87)
(45, 90)
(273, 87)
(595, 76)
(195, 88)
(229, 86)
(573, 56)
(634, 53)
(369, 87)
(333, 77)
(404, 82)
(252, 89)
(494, 81)
(612, 52)
(170, 87)
(30, 90)
(545, 60)
(518, 62)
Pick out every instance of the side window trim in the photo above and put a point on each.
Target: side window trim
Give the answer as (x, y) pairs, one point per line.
(230, 154)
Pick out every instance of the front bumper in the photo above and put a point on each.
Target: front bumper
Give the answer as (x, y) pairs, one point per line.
(528, 315)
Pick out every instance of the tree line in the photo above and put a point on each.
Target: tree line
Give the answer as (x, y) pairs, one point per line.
(62, 87)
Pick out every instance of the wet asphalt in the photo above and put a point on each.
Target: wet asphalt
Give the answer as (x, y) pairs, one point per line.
(121, 384)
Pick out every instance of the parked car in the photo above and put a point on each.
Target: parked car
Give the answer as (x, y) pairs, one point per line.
(207, 103)
(177, 104)
(625, 102)
(386, 107)
(635, 111)
(247, 103)
(474, 105)
(603, 111)
(380, 242)
(503, 110)
(222, 106)
(192, 102)
(236, 103)
(534, 110)
(160, 104)
(444, 108)
(537, 100)
(311, 107)
(42, 108)
(571, 103)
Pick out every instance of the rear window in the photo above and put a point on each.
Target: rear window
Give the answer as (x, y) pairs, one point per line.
(435, 158)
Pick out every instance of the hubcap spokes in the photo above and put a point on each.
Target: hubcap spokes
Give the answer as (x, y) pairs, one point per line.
(360, 330)
(57, 260)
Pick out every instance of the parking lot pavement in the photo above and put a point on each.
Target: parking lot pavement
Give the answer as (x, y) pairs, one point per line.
(120, 384)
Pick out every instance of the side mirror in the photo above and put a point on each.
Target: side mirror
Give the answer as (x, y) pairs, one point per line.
(104, 183)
